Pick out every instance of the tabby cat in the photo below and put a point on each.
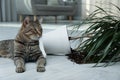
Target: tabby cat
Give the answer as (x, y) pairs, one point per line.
(25, 47)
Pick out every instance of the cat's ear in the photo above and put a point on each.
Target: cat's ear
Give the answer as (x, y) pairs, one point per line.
(40, 20)
(26, 21)
(36, 20)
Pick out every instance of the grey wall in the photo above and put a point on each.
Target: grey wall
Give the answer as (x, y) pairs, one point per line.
(78, 13)
(0, 10)
(7, 11)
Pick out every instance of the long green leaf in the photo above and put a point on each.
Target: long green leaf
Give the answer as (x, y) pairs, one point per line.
(98, 42)
(114, 57)
(106, 50)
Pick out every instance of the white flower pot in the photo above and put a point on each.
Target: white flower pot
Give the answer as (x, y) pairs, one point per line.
(56, 42)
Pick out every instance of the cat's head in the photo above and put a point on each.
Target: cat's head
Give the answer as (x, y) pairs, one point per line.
(31, 29)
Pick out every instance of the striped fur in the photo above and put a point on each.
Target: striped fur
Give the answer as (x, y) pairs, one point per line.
(25, 47)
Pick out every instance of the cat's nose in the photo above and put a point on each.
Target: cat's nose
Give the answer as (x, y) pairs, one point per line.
(38, 36)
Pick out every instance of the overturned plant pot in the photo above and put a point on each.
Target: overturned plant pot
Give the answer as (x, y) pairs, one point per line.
(56, 42)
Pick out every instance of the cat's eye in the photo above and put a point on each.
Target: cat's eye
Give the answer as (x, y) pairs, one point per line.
(27, 30)
(29, 33)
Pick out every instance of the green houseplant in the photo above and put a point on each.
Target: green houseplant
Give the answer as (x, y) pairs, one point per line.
(104, 45)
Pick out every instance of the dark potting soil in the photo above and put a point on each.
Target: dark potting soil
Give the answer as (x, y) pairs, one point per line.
(76, 56)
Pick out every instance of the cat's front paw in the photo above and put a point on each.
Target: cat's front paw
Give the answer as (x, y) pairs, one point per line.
(20, 69)
(40, 69)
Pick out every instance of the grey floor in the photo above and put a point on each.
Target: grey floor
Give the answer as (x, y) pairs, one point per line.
(57, 68)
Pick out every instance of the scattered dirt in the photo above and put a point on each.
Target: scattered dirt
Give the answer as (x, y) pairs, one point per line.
(76, 56)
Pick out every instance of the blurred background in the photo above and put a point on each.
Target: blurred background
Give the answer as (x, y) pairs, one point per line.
(51, 10)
